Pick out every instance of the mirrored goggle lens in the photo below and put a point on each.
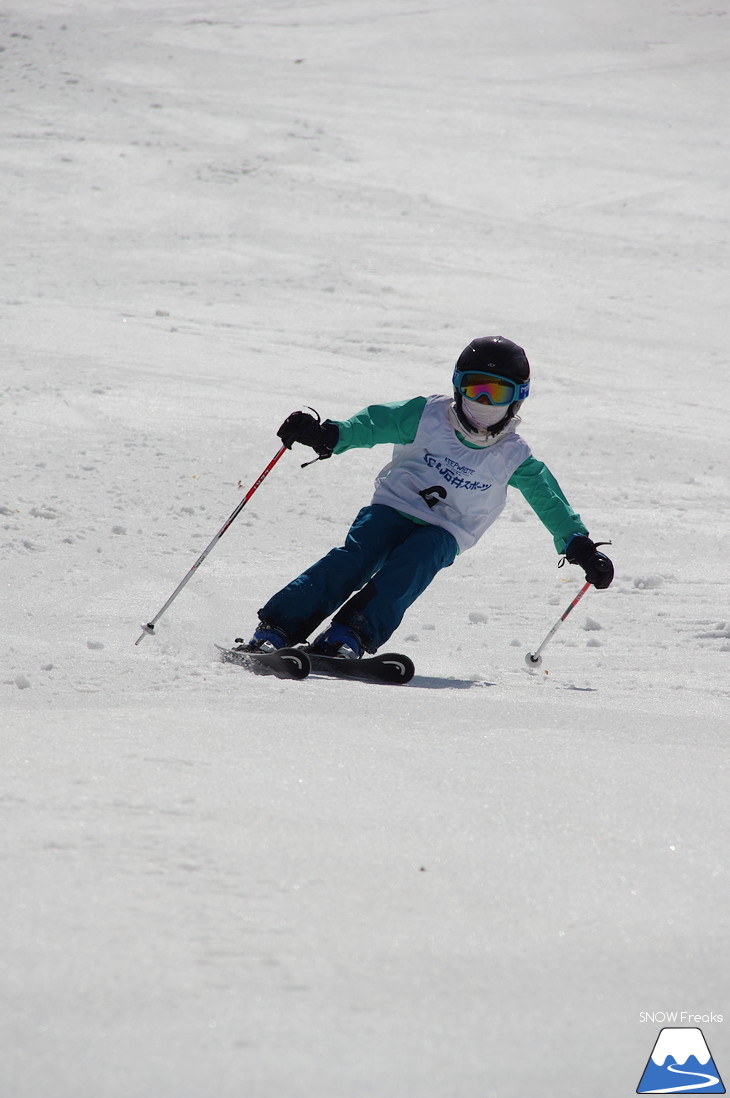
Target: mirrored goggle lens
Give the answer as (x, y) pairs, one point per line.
(488, 388)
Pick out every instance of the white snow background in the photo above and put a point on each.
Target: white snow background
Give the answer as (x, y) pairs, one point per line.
(216, 883)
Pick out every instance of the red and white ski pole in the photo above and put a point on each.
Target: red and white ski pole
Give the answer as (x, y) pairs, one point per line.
(534, 659)
(149, 628)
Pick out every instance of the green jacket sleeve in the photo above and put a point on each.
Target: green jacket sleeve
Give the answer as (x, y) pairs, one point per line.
(545, 496)
(395, 423)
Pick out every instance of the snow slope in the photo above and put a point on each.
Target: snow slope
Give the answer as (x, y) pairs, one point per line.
(216, 883)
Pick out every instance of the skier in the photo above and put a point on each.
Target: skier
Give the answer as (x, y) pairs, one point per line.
(454, 458)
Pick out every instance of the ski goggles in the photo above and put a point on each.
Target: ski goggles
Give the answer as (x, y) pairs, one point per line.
(489, 388)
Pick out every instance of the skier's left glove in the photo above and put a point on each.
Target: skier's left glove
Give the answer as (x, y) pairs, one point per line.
(597, 566)
(301, 427)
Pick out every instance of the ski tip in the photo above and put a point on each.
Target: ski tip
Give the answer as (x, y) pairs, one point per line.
(297, 662)
(290, 663)
(401, 668)
(388, 667)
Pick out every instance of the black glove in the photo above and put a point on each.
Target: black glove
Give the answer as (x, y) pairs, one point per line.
(597, 567)
(301, 427)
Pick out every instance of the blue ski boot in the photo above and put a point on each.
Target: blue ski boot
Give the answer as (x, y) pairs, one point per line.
(266, 638)
(339, 640)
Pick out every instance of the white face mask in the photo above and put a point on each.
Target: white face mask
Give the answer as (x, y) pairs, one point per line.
(483, 415)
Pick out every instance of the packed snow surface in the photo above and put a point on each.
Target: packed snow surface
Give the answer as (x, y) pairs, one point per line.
(217, 883)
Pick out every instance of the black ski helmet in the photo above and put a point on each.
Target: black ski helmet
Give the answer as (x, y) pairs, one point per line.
(493, 355)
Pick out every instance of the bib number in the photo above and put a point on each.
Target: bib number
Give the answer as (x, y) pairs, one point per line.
(432, 496)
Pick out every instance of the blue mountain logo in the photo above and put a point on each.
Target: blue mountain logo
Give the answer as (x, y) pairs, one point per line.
(680, 1063)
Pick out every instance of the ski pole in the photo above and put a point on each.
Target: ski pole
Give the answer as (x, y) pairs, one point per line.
(150, 626)
(534, 659)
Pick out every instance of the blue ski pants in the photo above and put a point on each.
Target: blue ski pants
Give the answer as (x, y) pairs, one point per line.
(387, 561)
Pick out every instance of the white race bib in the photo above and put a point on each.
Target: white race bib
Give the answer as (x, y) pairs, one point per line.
(437, 479)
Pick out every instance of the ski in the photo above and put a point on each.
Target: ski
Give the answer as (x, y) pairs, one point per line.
(389, 667)
(296, 663)
(287, 663)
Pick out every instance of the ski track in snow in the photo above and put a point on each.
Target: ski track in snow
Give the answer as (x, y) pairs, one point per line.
(217, 880)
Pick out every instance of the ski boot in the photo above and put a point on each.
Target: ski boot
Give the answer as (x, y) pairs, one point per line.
(338, 640)
(266, 638)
